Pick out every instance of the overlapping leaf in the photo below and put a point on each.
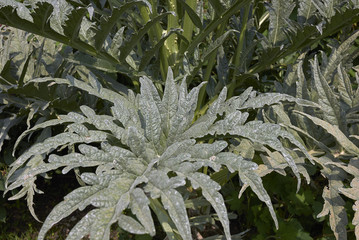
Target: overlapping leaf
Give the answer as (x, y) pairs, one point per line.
(326, 129)
(158, 136)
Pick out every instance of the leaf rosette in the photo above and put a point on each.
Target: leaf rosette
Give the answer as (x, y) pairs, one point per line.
(147, 154)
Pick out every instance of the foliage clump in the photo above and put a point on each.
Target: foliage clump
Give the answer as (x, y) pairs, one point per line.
(102, 90)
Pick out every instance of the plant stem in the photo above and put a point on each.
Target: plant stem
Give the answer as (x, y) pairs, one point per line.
(188, 25)
(211, 62)
(171, 43)
(155, 35)
(238, 53)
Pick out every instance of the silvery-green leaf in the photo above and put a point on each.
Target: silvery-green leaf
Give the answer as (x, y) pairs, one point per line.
(246, 172)
(201, 126)
(283, 118)
(335, 132)
(174, 161)
(353, 191)
(5, 125)
(173, 202)
(82, 228)
(140, 207)
(245, 149)
(122, 113)
(29, 189)
(52, 122)
(234, 103)
(169, 101)
(274, 98)
(59, 14)
(248, 176)
(326, 97)
(345, 87)
(160, 185)
(217, 106)
(337, 55)
(95, 223)
(176, 148)
(302, 91)
(90, 178)
(334, 207)
(229, 123)
(268, 134)
(356, 218)
(57, 141)
(187, 104)
(198, 129)
(124, 200)
(353, 194)
(150, 107)
(161, 181)
(279, 11)
(30, 172)
(210, 192)
(131, 225)
(77, 128)
(306, 11)
(103, 199)
(102, 122)
(117, 42)
(21, 10)
(136, 141)
(101, 224)
(65, 208)
(75, 160)
(206, 150)
(273, 162)
(325, 8)
(165, 220)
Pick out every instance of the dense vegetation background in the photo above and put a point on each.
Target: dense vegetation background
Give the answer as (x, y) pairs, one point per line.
(179, 119)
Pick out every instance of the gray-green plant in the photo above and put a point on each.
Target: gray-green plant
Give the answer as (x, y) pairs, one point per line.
(147, 155)
(331, 132)
(138, 38)
(26, 56)
(18, 65)
(159, 149)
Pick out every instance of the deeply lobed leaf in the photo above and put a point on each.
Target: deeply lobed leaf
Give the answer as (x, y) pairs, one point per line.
(157, 149)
